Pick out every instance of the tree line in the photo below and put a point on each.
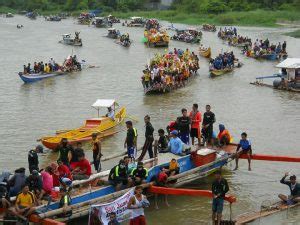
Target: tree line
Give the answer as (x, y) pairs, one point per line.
(189, 6)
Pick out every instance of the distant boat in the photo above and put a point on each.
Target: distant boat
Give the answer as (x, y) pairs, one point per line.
(68, 40)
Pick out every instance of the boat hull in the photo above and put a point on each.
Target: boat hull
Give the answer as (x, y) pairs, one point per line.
(85, 132)
(216, 73)
(30, 78)
(205, 53)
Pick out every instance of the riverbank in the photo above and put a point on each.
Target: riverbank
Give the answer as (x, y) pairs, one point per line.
(295, 34)
(262, 18)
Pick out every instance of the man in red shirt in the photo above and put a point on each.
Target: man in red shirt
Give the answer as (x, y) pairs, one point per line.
(195, 117)
(63, 170)
(83, 168)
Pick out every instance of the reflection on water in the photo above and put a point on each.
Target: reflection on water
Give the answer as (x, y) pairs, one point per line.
(270, 117)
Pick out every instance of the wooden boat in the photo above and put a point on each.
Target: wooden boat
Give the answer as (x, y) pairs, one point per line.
(205, 52)
(265, 211)
(113, 33)
(209, 27)
(53, 18)
(94, 125)
(216, 73)
(136, 22)
(101, 22)
(34, 77)
(68, 40)
(189, 170)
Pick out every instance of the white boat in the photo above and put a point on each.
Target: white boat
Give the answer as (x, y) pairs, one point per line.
(68, 40)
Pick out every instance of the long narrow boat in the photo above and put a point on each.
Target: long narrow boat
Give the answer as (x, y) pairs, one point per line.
(33, 77)
(191, 169)
(265, 211)
(205, 52)
(216, 73)
(100, 125)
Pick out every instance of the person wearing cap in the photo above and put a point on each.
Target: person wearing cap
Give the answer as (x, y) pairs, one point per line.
(131, 140)
(33, 158)
(139, 174)
(118, 176)
(35, 183)
(65, 151)
(96, 148)
(294, 197)
(175, 145)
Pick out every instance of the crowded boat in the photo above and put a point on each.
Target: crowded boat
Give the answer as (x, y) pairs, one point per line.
(190, 35)
(53, 18)
(112, 19)
(223, 63)
(263, 49)
(31, 15)
(231, 36)
(85, 18)
(154, 36)
(135, 22)
(124, 40)
(209, 27)
(170, 71)
(113, 33)
(101, 22)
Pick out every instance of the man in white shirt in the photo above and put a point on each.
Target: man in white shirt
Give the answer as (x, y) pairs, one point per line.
(110, 113)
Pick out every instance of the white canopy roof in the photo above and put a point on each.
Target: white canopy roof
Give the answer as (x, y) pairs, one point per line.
(290, 63)
(66, 35)
(103, 103)
(111, 29)
(135, 17)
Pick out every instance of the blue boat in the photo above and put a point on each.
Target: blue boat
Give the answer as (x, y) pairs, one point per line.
(271, 56)
(33, 77)
(186, 164)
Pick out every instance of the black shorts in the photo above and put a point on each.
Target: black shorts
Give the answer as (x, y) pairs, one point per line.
(195, 132)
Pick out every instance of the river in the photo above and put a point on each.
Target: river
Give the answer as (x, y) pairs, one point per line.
(270, 117)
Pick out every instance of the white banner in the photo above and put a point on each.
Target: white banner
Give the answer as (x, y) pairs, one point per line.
(99, 214)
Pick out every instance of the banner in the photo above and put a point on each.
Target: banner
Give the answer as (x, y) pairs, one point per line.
(99, 214)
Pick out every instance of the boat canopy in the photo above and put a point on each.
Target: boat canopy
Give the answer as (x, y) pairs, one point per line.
(111, 29)
(66, 35)
(135, 18)
(290, 63)
(103, 103)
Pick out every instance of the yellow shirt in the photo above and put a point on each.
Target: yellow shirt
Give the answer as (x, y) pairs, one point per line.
(25, 200)
(147, 77)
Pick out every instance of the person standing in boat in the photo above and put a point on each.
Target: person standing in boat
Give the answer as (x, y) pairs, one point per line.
(96, 152)
(208, 121)
(183, 123)
(195, 117)
(294, 188)
(137, 203)
(244, 147)
(131, 140)
(148, 139)
(110, 113)
(219, 188)
(33, 158)
(65, 151)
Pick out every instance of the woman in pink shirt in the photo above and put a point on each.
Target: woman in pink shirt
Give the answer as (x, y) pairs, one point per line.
(47, 182)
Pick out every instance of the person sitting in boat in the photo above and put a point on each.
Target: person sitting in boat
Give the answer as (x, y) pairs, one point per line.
(25, 204)
(47, 182)
(83, 168)
(118, 176)
(16, 182)
(224, 137)
(294, 188)
(4, 203)
(65, 201)
(161, 145)
(110, 113)
(35, 183)
(175, 144)
(244, 147)
(139, 174)
(35, 67)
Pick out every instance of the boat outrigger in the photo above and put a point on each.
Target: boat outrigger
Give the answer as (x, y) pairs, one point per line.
(68, 40)
(101, 124)
(288, 78)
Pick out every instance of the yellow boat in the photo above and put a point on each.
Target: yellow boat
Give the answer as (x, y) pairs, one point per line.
(216, 73)
(101, 125)
(205, 52)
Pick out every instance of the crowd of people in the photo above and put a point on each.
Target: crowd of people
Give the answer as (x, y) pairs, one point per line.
(188, 36)
(231, 35)
(152, 24)
(70, 64)
(209, 27)
(264, 47)
(223, 61)
(170, 70)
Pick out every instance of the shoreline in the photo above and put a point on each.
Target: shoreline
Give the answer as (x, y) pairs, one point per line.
(257, 18)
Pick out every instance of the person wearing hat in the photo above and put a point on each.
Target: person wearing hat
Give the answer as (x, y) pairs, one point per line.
(175, 144)
(294, 188)
(33, 158)
(139, 174)
(131, 140)
(35, 183)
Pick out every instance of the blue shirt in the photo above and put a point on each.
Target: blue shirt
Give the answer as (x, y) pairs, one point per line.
(245, 144)
(176, 145)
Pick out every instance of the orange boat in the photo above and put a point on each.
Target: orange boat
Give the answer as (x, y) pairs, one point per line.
(205, 52)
